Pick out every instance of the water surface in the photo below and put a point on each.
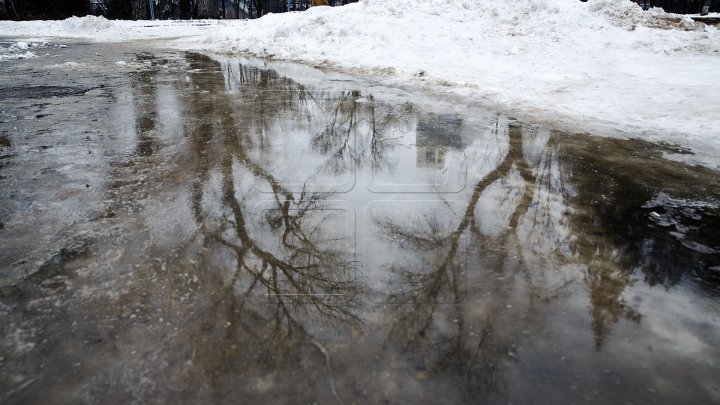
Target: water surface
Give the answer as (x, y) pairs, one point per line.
(181, 227)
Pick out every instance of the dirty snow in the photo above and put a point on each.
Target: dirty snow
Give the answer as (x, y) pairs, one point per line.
(604, 67)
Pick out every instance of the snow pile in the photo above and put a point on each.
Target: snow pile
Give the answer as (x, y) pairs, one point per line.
(100, 29)
(15, 55)
(20, 45)
(18, 50)
(86, 25)
(629, 15)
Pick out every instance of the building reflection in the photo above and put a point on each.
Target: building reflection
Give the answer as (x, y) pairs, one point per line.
(435, 135)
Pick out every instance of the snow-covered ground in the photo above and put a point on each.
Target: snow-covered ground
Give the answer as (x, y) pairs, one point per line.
(604, 67)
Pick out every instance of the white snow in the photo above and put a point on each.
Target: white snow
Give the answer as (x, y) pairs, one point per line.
(603, 67)
(17, 50)
(16, 55)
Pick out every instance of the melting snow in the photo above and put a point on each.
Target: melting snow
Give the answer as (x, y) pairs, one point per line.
(604, 67)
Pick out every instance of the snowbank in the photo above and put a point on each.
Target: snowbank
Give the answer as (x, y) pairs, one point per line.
(604, 66)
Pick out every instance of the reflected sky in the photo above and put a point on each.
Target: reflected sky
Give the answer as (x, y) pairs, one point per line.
(213, 229)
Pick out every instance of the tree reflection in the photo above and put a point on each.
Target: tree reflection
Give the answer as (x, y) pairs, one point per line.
(350, 130)
(258, 291)
(431, 319)
(279, 295)
(430, 316)
(628, 228)
(356, 132)
(144, 84)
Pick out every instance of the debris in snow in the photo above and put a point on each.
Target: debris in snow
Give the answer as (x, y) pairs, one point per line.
(628, 15)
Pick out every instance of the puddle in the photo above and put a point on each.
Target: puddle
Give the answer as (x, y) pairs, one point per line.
(26, 92)
(209, 229)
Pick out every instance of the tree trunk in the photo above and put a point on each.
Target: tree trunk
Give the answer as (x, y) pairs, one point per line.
(12, 13)
(47, 9)
(705, 8)
(206, 9)
(139, 10)
(259, 8)
(185, 10)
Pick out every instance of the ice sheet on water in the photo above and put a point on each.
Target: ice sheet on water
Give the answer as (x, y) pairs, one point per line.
(682, 218)
(664, 200)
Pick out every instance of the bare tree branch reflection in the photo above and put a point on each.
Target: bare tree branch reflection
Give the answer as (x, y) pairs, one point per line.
(357, 131)
(277, 295)
(303, 279)
(348, 128)
(430, 317)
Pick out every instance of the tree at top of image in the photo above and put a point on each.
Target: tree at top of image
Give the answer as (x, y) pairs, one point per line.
(47, 9)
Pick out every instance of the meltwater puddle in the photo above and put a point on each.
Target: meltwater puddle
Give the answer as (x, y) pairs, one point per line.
(184, 227)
